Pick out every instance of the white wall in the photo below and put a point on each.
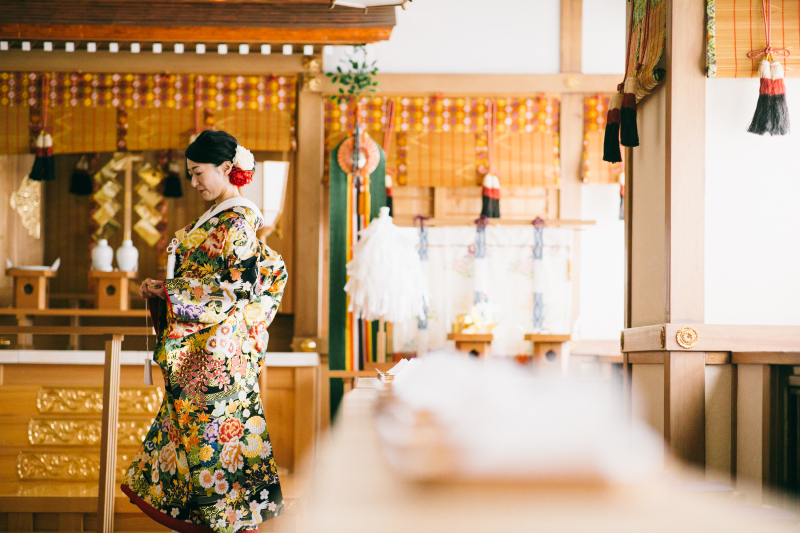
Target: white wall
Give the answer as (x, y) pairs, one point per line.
(752, 210)
(495, 37)
(603, 44)
(602, 267)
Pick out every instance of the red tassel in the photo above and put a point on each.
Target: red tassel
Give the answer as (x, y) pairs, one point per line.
(629, 131)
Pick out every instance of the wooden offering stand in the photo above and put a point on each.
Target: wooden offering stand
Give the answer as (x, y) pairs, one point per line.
(31, 287)
(113, 290)
(479, 344)
(547, 348)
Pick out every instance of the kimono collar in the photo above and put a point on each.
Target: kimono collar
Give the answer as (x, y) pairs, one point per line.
(239, 201)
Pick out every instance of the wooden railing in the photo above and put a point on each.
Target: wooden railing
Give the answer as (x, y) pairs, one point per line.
(108, 441)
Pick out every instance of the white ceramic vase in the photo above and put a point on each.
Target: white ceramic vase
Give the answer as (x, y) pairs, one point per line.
(127, 257)
(102, 256)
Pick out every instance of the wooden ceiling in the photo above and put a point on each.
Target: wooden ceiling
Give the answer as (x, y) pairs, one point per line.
(210, 21)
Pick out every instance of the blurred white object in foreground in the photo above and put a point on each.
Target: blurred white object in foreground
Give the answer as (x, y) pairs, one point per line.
(451, 417)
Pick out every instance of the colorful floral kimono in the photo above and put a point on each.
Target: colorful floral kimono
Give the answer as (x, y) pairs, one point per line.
(206, 464)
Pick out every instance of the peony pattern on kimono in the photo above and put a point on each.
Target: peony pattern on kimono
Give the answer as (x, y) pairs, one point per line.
(207, 459)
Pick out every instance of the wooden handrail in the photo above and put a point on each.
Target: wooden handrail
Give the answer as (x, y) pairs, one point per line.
(81, 330)
(69, 312)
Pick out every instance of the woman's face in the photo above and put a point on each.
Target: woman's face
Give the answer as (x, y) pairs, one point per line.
(210, 180)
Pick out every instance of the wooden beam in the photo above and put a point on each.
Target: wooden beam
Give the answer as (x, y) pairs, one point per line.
(571, 35)
(765, 358)
(168, 61)
(488, 84)
(192, 34)
(307, 284)
(714, 338)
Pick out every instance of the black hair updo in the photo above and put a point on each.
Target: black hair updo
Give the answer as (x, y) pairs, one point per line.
(212, 146)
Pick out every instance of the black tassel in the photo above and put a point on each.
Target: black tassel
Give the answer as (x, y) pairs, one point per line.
(762, 118)
(171, 185)
(44, 166)
(611, 151)
(81, 182)
(628, 130)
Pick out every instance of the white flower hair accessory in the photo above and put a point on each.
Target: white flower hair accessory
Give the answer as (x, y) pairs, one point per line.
(244, 159)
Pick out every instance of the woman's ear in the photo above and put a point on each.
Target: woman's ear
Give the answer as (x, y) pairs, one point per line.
(227, 166)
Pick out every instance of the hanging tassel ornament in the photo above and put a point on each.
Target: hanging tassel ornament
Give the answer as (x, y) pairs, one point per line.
(611, 152)
(81, 183)
(780, 111)
(44, 168)
(171, 184)
(761, 122)
(628, 130)
(772, 114)
(490, 201)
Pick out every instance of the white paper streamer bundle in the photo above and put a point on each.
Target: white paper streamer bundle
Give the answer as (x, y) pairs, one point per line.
(385, 274)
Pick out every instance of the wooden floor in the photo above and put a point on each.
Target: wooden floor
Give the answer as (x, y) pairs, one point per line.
(71, 506)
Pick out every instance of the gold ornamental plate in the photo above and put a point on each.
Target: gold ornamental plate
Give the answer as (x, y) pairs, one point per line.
(686, 337)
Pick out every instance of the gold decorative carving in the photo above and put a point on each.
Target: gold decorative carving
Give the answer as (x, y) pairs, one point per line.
(686, 337)
(83, 432)
(26, 201)
(621, 341)
(312, 63)
(65, 466)
(570, 82)
(311, 83)
(663, 337)
(90, 400)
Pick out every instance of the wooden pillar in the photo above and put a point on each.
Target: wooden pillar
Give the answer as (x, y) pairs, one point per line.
(108, 439)
(308, 213)
(571, 135)
(665, 214)
(571, 35)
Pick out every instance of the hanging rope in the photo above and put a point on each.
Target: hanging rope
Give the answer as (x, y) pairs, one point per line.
(389, 128)
(768, 50)
(45, 99)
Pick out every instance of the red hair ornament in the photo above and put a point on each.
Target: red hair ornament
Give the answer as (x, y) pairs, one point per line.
(240, 177)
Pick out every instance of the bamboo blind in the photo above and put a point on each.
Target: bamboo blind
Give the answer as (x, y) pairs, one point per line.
(160, 110)
(443, 142)
(736, 27)
(595, 170)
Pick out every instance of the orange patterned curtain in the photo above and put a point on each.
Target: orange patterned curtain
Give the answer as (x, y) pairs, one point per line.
(160, 109)
(595, 170)
(442, 141)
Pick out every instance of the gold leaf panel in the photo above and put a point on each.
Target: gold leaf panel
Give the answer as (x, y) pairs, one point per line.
(138, 401)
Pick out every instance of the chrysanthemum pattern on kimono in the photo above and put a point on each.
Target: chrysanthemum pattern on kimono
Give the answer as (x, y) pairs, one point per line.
(207, 460)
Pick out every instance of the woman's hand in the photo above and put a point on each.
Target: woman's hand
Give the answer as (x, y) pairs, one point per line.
(152, 288)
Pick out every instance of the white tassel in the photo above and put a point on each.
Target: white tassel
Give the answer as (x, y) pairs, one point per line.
(148, 370)
(385, 273)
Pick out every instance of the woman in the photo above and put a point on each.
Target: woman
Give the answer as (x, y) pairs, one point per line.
(206, 464)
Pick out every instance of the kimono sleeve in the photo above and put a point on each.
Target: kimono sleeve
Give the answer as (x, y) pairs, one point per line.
(213, 297)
